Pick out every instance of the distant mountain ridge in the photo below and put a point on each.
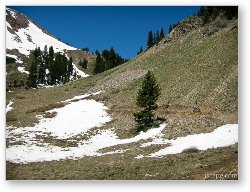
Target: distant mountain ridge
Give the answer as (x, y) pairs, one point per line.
(23, 35)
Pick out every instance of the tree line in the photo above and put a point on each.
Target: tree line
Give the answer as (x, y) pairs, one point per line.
(107, 60)
(49, 68)
(154, 38)
(207, 13)
(212, 12)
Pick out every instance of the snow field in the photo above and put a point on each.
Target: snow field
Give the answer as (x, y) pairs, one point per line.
(25, 40)
(21, 40)
(82, 114)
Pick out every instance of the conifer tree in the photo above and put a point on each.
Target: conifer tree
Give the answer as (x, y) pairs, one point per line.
(140, 51)
(112, 57)
(170, 28)
(157, 37)
(161, 34)
(146, 100)
(150, 42)
(33, 78)
(51, 75)
(99, 64)
(83, 63)
(154, 39)
(205, 17)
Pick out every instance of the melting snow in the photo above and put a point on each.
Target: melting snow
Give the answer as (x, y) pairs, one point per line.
(9, 108)
(22, 70)
(15, 57)
(78, 117)
(21, 40)
(79, 72)
(8, 25)
(222, 136)
(13, 14)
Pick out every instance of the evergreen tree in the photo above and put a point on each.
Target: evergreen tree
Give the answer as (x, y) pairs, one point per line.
(43, 66)
(170, 28)
(146, 99)
(205, 17)
(112, 57)
(157, 37)
(49, 68)
(70, 66)
(99, 64)
(161, 34)
(85, 49)
(140, 51)
(51, 75)
(84, 63)
(150, 42)
(154, 39)
(32, 79)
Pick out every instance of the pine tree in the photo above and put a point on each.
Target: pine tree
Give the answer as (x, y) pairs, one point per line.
(161, 34)
(150, 42)
(99, 64)
(154, 39)
(140, 51)
(170, 28)
(69, 72)
(146, 99)
(205, 17)
(32, 79)
(84, 63)
(85, 49)
(157, 38)
(45, 56)
(51, 75)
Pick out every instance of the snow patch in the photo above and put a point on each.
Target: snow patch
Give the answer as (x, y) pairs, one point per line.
(8, 25)
(72, 124)
(8, 107)
(22, 70)
(78, 71)
(12, 13)
(15, 57)
(221, 137)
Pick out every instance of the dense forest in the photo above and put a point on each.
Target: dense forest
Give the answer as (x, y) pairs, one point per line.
(49, 68)
(107, 60)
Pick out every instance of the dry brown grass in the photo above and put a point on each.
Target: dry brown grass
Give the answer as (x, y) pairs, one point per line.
(124, 166)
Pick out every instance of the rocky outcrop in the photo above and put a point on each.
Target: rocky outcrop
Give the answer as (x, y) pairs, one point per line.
(185, 27)
(79, 55)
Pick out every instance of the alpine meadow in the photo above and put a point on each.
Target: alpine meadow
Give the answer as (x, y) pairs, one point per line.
(170, 112)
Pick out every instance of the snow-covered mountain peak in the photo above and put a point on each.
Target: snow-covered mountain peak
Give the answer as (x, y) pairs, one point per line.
(23, 35)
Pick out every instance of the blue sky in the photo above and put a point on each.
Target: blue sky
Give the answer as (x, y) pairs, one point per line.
(124, 28)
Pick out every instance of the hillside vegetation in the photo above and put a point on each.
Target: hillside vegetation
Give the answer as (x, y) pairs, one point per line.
(198, 65)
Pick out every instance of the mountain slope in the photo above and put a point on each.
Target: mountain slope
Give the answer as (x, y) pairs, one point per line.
(201, 64)
(24, 35)
(195, 67)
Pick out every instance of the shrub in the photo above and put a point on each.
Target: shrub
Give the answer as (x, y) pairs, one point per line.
(191, 150)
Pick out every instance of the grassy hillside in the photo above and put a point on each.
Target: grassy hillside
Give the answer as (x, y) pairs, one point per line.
(202, 66)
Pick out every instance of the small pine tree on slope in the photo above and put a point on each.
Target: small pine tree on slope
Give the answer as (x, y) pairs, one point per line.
(146, 99)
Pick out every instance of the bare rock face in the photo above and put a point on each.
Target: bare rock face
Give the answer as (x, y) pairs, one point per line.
(79, 55)
(16, 20)
(185, 27)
